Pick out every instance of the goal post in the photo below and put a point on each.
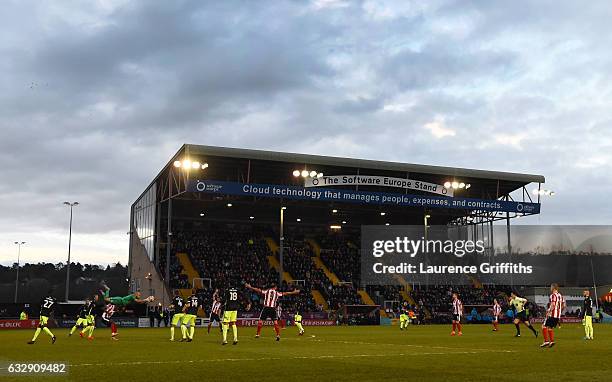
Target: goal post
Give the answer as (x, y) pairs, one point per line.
(201, 283)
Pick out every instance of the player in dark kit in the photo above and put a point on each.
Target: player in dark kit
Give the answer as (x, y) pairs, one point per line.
(91, 319)
(47, 306)
(191, 311)
(81, 321)
(177, 318)
(231, 304)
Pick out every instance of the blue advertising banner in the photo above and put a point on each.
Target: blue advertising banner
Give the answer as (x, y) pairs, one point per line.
(360, 197)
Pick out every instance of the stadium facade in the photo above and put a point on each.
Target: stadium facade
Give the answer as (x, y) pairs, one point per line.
(229, 185)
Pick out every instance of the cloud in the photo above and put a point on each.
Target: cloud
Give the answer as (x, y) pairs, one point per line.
(395, 107)
(512, 140)
(326, 4)
(97, 96)
(438, 129)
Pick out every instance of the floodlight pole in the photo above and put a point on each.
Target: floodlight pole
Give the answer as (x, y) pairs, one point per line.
(169, 243)
(509, 245)
(281, 241)
(594, 283)
(19, 244)
(69, 248)
(171, 177)
(491, 242)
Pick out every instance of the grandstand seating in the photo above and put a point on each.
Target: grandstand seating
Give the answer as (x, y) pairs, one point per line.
(340, 257)
(325, 266)
(231, 255)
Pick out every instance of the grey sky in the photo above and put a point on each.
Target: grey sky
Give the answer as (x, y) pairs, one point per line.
(96, 96)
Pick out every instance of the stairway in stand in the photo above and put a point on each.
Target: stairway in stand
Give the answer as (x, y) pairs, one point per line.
(189, 270)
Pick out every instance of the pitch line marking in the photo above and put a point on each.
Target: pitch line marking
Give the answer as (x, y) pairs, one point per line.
(331, 356)
(409, 345)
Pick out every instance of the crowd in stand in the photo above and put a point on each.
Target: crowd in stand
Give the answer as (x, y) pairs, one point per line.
(297, 261)
(341, 256)
(382, 293)
(344, 294)
(178, 280)
(227, 255)
(437, 298)
(238, 254)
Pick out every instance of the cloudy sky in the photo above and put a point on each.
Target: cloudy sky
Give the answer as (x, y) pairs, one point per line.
(95, 97)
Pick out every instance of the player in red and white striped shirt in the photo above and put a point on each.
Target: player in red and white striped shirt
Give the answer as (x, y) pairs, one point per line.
(457, 313)
(563, 306)
(496, 314)
(270, 301)
(215, 311)
(553, 315)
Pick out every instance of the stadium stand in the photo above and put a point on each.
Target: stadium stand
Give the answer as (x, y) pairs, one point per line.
(326, 273)
(231, 254)
(324, 265)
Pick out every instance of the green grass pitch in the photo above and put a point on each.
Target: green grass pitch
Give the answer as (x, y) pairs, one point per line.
(421, 353)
